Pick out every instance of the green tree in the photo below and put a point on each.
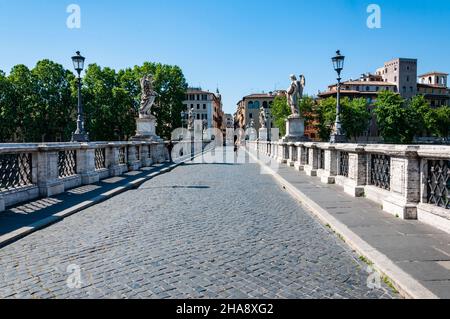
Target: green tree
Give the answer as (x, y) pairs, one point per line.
(24, 100)
(8, 113)
(326, 115)
(397, 120)
(438, 121)
(355, 117)
(109, 113)
(419, 110)
(54, 114)
(280, 112)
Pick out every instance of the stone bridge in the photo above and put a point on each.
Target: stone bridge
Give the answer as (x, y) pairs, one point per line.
(117, 220)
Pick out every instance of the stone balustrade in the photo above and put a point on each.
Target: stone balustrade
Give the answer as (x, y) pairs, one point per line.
(29, 171)
(408, 181)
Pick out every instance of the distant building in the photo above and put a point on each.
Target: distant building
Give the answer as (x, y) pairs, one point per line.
(249, 106)
(206, 106)
(399, 76)
(433, 86)
(403, 73)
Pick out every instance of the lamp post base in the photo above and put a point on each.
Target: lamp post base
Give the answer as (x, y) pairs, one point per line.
(80, 137)
(338, 138)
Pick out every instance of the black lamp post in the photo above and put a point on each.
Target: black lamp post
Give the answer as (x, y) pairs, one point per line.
(79, 135)
(338, 135)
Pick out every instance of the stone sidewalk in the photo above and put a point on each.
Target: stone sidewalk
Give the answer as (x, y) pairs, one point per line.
(414, 249)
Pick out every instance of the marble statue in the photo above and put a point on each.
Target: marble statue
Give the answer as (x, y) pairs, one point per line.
(262, 117)
(148, 96)
(295, 93)
(191, 119)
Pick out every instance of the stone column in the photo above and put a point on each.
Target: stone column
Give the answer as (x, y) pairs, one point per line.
(291, 160)
(146, 160)
(133, 160)
(299, 163)
(112, 160)
(86, 165)
(357, 172)
(48, 176)
(328, 175)
(313, 160)
(405, 184)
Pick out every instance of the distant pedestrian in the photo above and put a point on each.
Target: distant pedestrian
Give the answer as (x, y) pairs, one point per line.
(169, 149)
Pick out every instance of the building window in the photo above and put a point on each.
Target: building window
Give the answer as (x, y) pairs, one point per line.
(395, 78)
(198, 116)
(250, 115)
(377, 88)
(250, 104)
(404, 89)
(411, 89)
(198, 106)
(265, 104)
(204, 106)
(367, 88)
(256, 105)
(407, 78)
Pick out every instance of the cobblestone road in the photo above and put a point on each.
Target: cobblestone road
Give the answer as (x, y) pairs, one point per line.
(200, 231)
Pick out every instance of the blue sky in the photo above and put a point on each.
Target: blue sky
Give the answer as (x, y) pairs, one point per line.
(242, 46)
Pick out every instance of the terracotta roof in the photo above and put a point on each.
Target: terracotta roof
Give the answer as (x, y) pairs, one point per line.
(432, 73)
(349, 92)
(369, 83)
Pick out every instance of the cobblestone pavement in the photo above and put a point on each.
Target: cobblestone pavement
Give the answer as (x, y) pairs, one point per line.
(200, 231)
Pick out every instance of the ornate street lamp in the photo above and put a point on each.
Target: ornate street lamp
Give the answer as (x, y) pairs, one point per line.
(338, 135)
(79, 135)
(183, 118)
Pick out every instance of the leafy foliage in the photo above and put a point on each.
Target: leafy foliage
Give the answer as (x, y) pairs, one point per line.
(354, 117)
(400, 120)
(40, 104)
(280, 112)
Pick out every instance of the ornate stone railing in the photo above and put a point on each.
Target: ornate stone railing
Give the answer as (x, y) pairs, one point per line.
(409, 181)
(29, 171)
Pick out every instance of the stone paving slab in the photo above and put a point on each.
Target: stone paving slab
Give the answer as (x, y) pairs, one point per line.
(201, 231)
(24, 218)
(418, 249)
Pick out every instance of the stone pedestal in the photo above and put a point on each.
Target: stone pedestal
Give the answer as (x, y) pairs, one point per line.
(295, 130)
(146, 129)
(263, 134)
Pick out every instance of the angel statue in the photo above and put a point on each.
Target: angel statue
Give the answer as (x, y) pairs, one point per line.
(295, 93)
(148, 96)
(262, 117)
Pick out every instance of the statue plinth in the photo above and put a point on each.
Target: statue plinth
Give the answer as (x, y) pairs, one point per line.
(252, 134)
(146, 129)
(263, 134)
(295, 129)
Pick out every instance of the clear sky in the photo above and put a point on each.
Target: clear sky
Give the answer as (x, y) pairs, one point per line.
(244, 46)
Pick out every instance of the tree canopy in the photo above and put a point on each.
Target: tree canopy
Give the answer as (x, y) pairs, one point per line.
(41, 104)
